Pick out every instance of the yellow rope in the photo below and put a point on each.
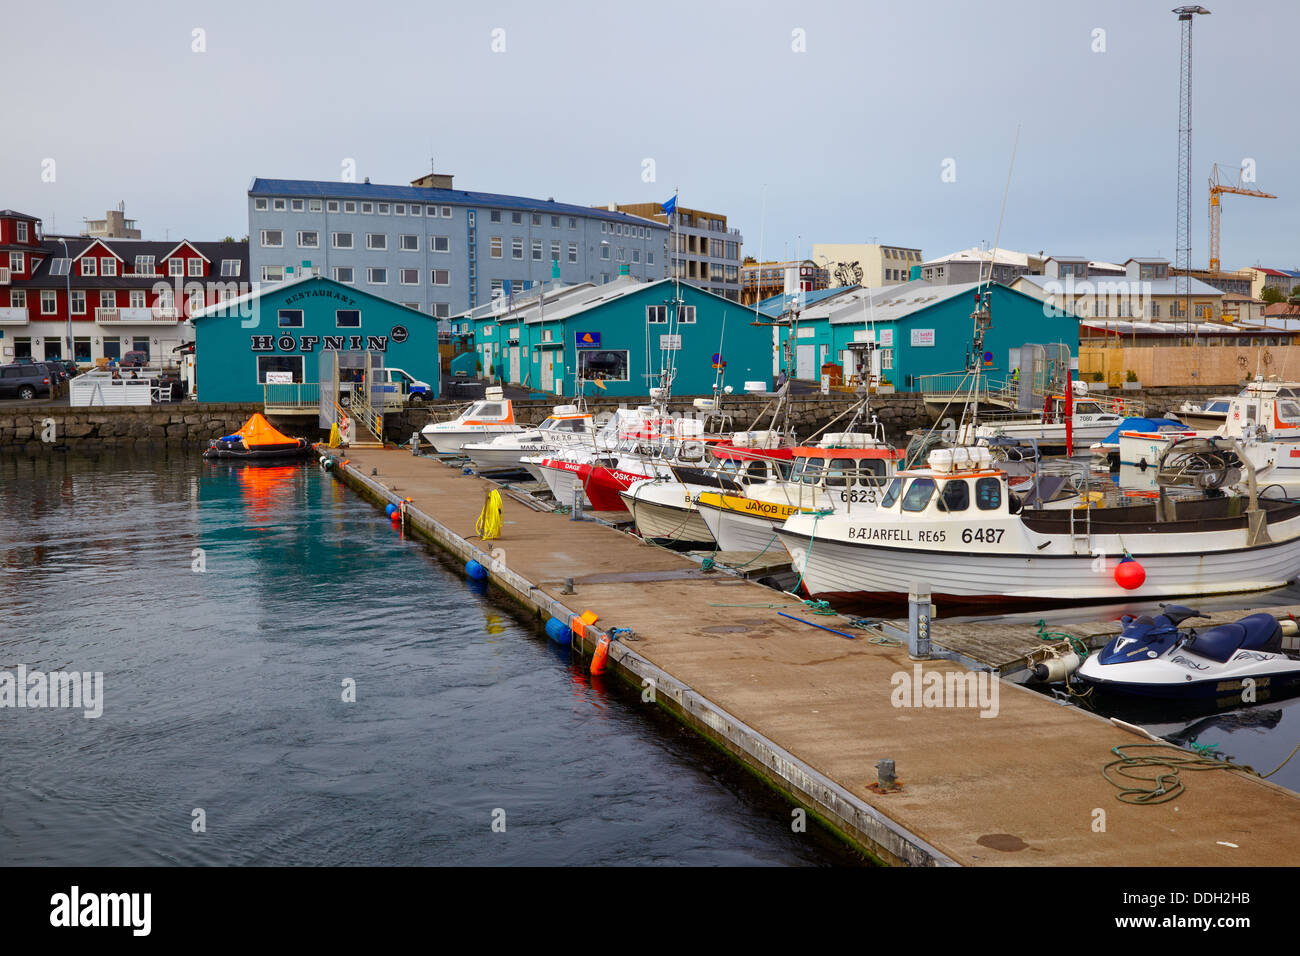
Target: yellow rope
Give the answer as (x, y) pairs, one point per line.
(489, 522)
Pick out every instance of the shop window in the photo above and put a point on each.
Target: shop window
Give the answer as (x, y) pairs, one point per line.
(603, 365)
(279, 363)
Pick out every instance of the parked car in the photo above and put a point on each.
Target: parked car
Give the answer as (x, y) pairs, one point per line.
(134, 359)
(72, 368)
(392, 380)
(26, 381)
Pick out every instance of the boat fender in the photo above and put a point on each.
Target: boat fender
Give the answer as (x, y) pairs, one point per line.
(1129, 574)
(1057, 668)
(390, 509)
(598, 659)
(557, 630)
(476, 571)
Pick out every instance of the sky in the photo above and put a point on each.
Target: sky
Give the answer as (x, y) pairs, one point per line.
(802, 122)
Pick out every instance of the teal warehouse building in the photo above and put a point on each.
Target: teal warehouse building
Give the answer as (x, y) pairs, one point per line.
(902, 333)
(277, 333)
(622, 335)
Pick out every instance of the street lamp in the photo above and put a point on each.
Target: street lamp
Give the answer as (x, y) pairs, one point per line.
(67, 283)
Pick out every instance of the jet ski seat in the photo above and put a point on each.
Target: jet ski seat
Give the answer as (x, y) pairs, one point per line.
(1255, 632)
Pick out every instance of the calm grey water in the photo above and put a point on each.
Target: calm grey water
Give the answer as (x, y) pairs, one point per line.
(223, 693)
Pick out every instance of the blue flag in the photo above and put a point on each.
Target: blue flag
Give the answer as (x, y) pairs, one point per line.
(670, 205)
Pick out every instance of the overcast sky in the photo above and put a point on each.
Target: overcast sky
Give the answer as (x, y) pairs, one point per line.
(845, 141)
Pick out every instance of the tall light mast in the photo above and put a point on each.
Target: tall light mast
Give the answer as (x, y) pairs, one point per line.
(1184, 242)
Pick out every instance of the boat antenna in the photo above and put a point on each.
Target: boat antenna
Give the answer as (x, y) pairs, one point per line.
(982, 315)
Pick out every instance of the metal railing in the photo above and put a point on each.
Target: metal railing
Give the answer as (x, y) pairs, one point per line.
(291, 395)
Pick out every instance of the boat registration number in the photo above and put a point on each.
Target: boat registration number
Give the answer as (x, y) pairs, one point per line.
(865, 495)
(985, 535)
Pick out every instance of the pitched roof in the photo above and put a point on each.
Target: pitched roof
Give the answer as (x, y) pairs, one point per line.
(126, 250)
(1102, 285)
(15, 214)
(775, 306)
(325, 189)
(266, 288)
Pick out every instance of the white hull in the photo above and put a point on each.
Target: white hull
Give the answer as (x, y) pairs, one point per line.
(449, 441)
(735, 531)
(1185, 564)
(562, 483)
(663, 511)
(489, 456)
(1081, 436)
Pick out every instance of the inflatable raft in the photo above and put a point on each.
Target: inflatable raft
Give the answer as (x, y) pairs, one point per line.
(257, 440)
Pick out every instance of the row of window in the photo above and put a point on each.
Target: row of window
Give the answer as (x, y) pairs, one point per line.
(343, 318)
(144, 265)
(352, 206)
(377, 241)
(107, 300)
(658, 314)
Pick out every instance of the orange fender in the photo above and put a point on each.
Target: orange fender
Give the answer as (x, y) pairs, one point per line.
(599, 658)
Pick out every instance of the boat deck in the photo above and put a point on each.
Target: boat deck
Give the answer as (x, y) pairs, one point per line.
(813, 711)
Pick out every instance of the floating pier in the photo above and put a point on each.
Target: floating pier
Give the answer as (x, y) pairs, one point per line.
(815, 710)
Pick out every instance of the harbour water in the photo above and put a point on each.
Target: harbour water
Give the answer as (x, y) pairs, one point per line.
(230, 609)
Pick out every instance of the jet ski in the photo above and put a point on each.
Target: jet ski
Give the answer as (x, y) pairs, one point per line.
(1157, 657)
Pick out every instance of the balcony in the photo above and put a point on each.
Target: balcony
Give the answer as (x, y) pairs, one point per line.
(13, 315)
(137, 316)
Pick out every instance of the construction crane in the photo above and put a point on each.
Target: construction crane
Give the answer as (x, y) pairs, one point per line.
(1218, 188)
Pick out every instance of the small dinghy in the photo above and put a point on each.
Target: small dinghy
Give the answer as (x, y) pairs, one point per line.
(257, 440)
(1157, 657)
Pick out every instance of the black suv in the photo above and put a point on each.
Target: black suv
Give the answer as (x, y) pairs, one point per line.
(25, 381)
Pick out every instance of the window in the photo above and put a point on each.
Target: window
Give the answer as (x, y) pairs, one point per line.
(78, 303)
(891, 494)
(446, 212)
(841, 472)
(296, 205)
(494, 247)
(176, 266)
(603, 365)
(431, 211)
(332, 205)
(517, 218)
(231, 267)
(58, 267)
(636, 255)
(516, 248)
(656, 314)
(347, 319)
(376, 240)
(259, 205)
(498, 287)
(383, 209)
(290, 318)
(196, 301)
(314, 205)
(409, 277)
(89, 267)
(107, 299)
(341, 240)
(399, 209)
(537, 250)
(555, 222)
(309, 239)
(343, 274)
(537, 220)
(81, 350)
(650, 258)
(367, 208)
(416, 210)
(573, 222)
(988, 494)
(441, 309)
(137, 299)
(408, 243)
(107, 266)
(604, 227)
(494, 215)
(604, 251)
(440, 243)
(271, 239)
(955, 497)
(918, 494)
(377, 276)
(686, 315)
(573, 252)
(49, 302)
(277, 205)
(441, 277)
(555, 250)
(18, 298)
(279, 363)
(349, 207)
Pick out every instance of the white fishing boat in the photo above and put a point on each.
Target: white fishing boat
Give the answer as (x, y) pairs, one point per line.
(566, 425)
(842, 472)
(1207, 415)
(1091, 420)
(957, 530)
(481, 420)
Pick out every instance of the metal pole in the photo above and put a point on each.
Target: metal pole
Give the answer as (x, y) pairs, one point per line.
(919, 610)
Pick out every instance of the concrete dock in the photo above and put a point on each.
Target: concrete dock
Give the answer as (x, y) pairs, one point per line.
(813, 712)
